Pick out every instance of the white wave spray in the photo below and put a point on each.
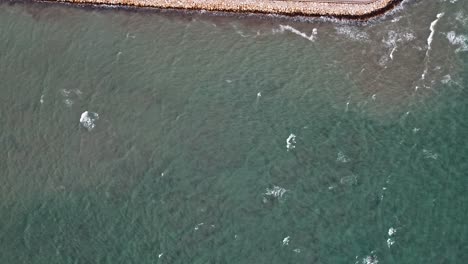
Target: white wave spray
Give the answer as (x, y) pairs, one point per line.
(429, 43)
(299, 33)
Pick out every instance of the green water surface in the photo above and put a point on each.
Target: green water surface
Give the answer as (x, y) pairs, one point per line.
(194, 115)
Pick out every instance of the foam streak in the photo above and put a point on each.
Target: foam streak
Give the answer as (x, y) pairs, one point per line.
(429, 42)
(299, 33)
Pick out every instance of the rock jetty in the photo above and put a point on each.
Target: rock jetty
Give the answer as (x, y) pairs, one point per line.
(339, 8)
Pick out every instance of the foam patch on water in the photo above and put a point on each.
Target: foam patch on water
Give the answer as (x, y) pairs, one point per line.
(446, 79)
(349, 180)
(312, 36)
(286, 241)
(69, 95)
(275, 192)
(198, 226)
(352, 33)
(429, 154)
(130, 36)
(371, 259)
(396, 19)
(68, 102)
(165, 172)
(341, 157)
(460, 17)
(290, 141)
(88, 119)
(458, 40)
(390, 240)
(65, 92)
(393, 39)
(241, 33)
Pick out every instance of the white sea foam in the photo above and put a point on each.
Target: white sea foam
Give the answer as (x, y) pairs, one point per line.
(460, 17)
(66, 92)
(299, 33)
(446, 79)
(396, 19)
(42, 99)
(286, 241)
(390, 242)
(238, 31)
(383, 60)
(391, 52)
(198, 226)
(429, 42)
(341, 157)
(70, 92)
(349, 180)
(164, 173)
(429, 154)
(87, 119)
(393, 38)
(458, 40)
(297, 250)
(68, 102)
(290, 141)
(241, 33)
(432, 28)
(69, 95)
(371, 259)
(276, 192)
(352, 33)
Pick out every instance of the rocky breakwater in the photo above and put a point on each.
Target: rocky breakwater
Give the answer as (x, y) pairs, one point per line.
(340, 8)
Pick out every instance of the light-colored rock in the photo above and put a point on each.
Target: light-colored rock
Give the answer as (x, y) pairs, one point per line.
(286, 7)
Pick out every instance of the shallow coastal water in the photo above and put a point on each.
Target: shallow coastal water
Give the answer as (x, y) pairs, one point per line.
(224, 139)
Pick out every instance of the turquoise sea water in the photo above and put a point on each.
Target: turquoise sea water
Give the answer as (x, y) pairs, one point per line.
(227, 139)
